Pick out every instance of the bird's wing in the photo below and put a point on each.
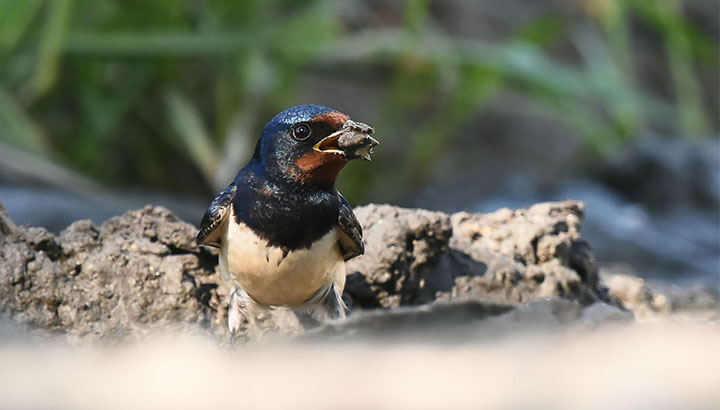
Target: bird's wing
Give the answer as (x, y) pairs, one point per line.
(351, 243)
(215, 216)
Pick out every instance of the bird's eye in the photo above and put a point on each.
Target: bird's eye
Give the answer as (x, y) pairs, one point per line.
(301, 131)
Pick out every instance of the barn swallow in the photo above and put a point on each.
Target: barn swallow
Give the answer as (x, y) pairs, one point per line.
(283, 231)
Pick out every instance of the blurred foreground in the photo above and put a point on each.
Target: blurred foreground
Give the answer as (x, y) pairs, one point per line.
(109, 105)
(649, 366)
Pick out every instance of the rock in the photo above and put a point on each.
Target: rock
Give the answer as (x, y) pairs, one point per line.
(530, 253)
(649, 302)
(401, 245)
(139, 270)
(632, 293)
(416, 256)
(144, 270)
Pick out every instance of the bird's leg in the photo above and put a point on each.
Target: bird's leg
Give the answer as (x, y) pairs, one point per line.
(327, 303)
(239, 311)
(334, 304)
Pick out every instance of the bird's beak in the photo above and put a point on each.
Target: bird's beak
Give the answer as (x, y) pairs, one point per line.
(352, 141)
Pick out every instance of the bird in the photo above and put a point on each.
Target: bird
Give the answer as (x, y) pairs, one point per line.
(283, 230)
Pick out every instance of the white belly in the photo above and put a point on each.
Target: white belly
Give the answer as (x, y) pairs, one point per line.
(271, 279)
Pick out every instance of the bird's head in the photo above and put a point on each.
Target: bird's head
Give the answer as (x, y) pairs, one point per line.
(310, 144)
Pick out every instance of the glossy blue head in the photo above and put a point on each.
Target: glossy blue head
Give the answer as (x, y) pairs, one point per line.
(295, 115)
(289, 148)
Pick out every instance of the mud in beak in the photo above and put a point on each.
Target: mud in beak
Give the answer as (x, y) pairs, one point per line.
(352, 141)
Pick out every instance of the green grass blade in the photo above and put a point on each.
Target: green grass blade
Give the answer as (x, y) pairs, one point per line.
(15, 17)
(158, 44)
(51, 44)
(194, 138)
(682, 40)
(687, 87)
(17, 127)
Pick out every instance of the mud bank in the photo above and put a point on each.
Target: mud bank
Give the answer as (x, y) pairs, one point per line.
(143, 271)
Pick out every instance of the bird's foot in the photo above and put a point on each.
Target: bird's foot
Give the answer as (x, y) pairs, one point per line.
(239, 313)
(327, 303)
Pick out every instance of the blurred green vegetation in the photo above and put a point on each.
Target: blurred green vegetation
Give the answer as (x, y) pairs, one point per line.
(174, 93)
